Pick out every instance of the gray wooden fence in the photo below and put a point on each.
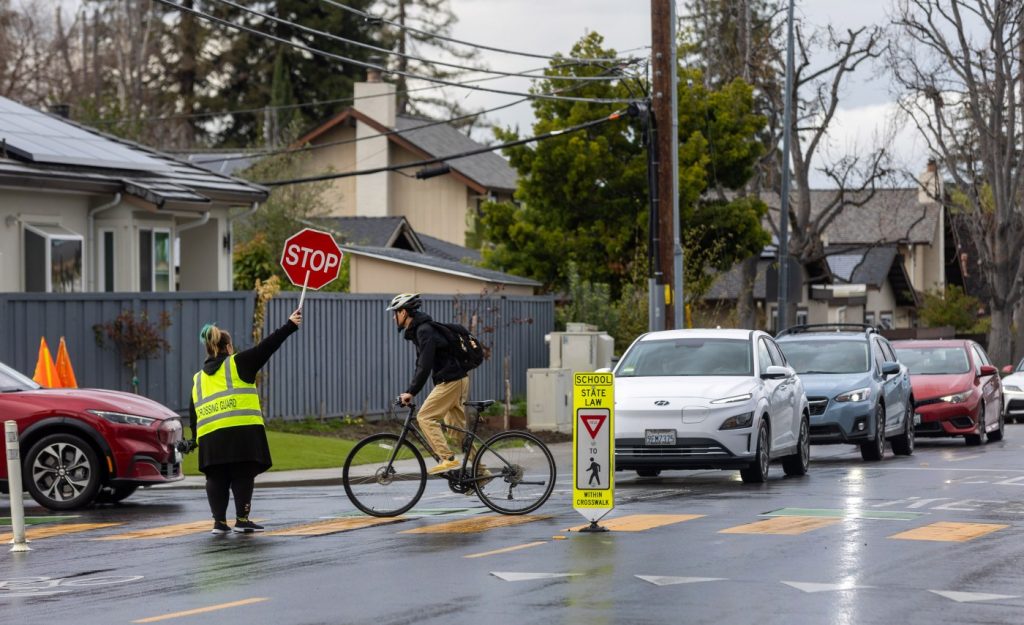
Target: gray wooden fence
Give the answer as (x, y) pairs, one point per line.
(348, 359)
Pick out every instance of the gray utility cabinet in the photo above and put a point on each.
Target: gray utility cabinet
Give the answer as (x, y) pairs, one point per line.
(549, 400)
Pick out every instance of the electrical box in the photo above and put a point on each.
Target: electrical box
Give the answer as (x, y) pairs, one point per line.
(549, 400)
(580, 351)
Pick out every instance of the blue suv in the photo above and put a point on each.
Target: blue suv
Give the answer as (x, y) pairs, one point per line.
(857, 390)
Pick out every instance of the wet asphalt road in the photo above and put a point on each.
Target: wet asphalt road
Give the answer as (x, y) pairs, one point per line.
(843, 560)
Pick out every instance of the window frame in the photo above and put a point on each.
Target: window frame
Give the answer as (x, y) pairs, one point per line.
(152, 232)
(36, 228)
(101, 256)
(892, 320)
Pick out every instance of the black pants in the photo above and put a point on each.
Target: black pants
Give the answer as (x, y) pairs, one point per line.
(237, 478)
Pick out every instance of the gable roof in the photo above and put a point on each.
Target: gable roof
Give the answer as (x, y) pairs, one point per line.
(374, 231)
(433, 263)
(862, 266)
(154, 177)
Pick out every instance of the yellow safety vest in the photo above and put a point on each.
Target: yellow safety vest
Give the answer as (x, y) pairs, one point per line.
(222, 400)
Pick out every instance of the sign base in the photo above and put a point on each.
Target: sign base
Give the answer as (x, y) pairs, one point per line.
(594, 527)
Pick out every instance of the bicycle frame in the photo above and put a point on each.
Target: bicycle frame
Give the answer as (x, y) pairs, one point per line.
(470, 438)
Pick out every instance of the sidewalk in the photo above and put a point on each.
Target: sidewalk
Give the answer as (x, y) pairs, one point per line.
(562, 453)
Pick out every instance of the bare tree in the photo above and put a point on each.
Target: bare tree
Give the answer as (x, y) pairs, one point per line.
(958, 65)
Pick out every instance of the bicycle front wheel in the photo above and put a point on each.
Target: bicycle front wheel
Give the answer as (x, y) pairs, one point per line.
(380, 488)
(514, 473)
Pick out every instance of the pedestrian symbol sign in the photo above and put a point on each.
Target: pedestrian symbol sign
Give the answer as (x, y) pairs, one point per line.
(593, 468)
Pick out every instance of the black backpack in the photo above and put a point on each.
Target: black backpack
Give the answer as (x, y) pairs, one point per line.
(467, 350)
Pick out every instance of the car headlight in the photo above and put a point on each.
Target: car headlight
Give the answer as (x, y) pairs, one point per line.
(1011, 388)
(957, 398)
(735, 399)
(123, 418)
(739, 421)
(861, 394)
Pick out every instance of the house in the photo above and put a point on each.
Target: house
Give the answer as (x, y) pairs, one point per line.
(83, 211)
(879, 258)
(441, 201)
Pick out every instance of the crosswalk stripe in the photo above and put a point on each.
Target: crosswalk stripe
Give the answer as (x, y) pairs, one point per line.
(950, 532)
(506, 549)
(640, 522)
(333, 526)
(59, 529)
(476, 524)
(164, 531)
(786, 526)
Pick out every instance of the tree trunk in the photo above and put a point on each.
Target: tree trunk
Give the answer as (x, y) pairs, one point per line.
(1018, 338)
(745, 312)
(999, 334)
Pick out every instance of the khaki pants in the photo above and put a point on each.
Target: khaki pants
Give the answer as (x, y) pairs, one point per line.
(444, 403)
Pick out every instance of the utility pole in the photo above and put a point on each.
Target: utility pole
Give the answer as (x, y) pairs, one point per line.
(664, 107)
(787, 130)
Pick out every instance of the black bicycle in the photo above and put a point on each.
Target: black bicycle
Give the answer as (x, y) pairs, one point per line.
(511, 472)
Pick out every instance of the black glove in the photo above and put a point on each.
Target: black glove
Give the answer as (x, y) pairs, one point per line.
(187, 447)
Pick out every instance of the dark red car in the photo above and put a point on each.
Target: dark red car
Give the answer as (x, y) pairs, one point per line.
(957, 391)
(84, 445)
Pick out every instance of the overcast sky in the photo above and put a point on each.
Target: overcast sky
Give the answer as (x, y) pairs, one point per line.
(547, 26)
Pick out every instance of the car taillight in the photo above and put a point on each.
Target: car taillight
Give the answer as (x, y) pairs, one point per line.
(169, 431)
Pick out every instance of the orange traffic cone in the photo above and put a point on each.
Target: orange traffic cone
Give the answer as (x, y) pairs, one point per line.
(46, 373)
(64, 371)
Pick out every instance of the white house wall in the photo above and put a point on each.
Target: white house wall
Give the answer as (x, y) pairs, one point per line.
(18, 207)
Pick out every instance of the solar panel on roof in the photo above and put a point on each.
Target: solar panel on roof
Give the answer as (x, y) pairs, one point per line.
(35, 136)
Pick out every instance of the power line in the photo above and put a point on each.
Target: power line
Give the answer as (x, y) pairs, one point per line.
(381, 20)
(439, 159)
(320, 33)
(344, 59)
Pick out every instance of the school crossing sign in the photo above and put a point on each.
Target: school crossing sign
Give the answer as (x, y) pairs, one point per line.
(593, 467)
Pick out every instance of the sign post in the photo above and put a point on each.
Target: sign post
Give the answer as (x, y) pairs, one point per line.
(311, 258)
(14, 481)
(593, 443)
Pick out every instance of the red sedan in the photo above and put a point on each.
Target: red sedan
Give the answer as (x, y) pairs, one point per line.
(957, 391)
(84, 445)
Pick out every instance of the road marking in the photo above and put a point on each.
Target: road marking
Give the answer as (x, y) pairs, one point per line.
(164, 531)
(641, 522)
(844, 514)
(950, 532)
(36, 520)
(783, 525)
(944, 469)
(526, 577)
(962, 458)
(212, 608)
(812, 587)
(334, 526)
(46, 531)
(506, 549)
(962, 597)
(477, 524)
(664, 580)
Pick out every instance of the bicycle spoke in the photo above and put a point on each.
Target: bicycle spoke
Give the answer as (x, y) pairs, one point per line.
(380, 487)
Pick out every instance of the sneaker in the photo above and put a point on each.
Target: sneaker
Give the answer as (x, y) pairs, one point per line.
(444, 466)
(245, 526)
(219, 528)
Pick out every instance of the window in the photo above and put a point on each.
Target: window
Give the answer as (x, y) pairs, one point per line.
(764, 360)
(776, 353)
(869, 318)
(816, 356)
(879, 357)
(107, 261)
(155, 260)
(979, 360)
(885, 320)
(52, 259)
(887, 352)
(801, 316)
(687, 357)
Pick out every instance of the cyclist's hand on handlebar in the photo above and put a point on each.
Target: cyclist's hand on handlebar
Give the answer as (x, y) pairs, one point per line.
(405, 399)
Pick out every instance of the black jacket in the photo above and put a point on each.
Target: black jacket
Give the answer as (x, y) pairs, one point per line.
(433, 354)
(244, 443)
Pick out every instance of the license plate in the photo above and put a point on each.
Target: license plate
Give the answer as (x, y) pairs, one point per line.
(917, 418)
(659, 437)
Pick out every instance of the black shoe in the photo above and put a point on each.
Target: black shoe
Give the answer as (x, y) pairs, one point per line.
(245, 526)
(219, 528)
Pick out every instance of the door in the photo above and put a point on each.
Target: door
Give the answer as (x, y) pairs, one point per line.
(989, 387)
(890, 389)
(900, 392)
(780, 399)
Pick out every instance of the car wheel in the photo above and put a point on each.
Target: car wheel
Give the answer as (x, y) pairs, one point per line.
(997, 435)
(757, 471)
(798, 463)
(903, 445)
(974, 440)
(874, 449)
(648, 472)
(115, 494)
(62, 472)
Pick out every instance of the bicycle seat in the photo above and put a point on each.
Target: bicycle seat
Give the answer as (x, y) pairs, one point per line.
(483, 404)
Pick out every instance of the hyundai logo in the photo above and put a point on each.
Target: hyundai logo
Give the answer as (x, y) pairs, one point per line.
(661, 402)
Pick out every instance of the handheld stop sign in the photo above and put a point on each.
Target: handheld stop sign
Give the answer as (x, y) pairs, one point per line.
(311, 258)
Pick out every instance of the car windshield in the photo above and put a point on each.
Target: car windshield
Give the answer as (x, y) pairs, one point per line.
(934, 360)
(816, 356)
(11, 380)
(687, 357)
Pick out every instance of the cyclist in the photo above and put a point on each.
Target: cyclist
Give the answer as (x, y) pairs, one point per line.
(451, 383)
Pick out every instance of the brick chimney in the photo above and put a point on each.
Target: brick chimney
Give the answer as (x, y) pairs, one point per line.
(375, 99)
(929, 183)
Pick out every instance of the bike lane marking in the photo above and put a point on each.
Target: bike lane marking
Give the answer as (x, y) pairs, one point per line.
(163, 531)
(334, 526)
(950, 532)
(506, 549)
(48, 531)
(476, 524)
(640, 522)
(210, 608)
(783, 525)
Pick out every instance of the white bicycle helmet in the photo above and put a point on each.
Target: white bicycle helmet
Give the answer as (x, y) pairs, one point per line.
(408, 301)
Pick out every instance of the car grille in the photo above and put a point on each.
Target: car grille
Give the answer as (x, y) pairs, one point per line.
(170, 469)
(1015, 404)
(817, 405)
(925, 402)
(963, 422)
(929, 426)
(827, 429)
(683, 449)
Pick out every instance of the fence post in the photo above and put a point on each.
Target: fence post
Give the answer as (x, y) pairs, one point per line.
(14, 484)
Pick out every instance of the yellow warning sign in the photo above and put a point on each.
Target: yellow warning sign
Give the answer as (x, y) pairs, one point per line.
(593, 440)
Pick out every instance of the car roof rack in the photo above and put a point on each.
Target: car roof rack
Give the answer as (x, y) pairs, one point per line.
(828, 327)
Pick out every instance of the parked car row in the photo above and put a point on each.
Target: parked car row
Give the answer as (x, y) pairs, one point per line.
(741, 399)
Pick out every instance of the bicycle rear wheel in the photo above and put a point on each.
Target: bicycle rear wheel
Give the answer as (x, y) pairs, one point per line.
(521, 470)
(380, 490)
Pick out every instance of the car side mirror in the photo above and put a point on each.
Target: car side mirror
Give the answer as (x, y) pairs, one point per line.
(1008, 369)
(890, 368)
(774, 372)
(987, 370)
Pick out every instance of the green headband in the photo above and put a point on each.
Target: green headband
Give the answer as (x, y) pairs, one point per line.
(205, 332)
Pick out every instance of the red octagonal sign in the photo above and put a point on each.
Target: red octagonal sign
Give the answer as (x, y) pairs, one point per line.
(311, 258)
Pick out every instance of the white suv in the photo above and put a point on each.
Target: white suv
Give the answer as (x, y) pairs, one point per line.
(709, 399)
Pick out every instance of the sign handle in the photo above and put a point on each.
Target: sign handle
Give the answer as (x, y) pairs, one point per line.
(302, 297)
